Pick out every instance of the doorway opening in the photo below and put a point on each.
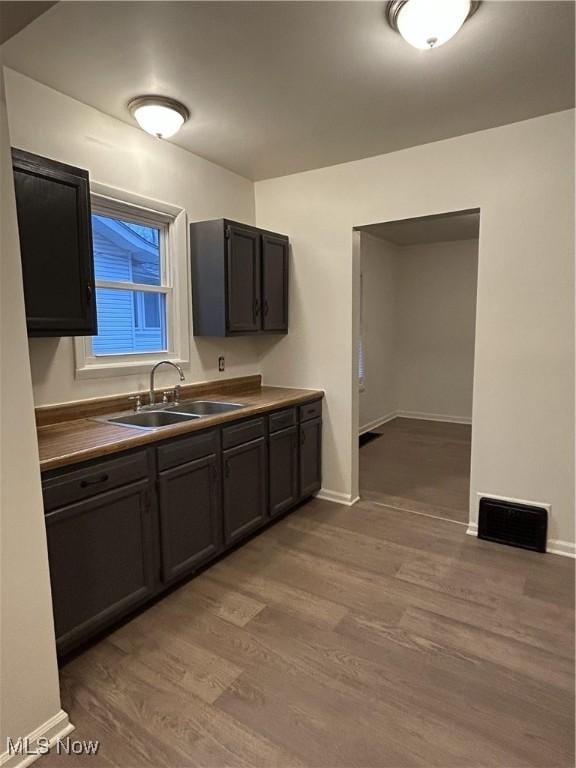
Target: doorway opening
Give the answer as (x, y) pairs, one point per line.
(416, 327)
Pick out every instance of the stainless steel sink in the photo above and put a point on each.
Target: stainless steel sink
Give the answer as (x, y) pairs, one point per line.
(152, 419)
(204, 407)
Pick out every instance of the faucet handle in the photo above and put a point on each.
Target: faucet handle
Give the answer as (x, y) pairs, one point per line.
(176, 393)
(137, 402)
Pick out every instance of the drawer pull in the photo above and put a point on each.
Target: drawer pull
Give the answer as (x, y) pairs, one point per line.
(96, 481)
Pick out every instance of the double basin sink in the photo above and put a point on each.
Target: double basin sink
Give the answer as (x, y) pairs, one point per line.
(166, 416)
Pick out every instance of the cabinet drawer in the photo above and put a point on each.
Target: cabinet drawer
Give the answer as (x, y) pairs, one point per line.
(78, 484)
(242, 433)
(310, 410)
(189, 448)
(282, 420)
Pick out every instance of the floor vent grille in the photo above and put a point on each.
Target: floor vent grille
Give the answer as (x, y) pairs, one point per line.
(507, 522)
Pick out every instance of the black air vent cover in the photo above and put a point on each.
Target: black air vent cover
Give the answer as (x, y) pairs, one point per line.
(519, 525)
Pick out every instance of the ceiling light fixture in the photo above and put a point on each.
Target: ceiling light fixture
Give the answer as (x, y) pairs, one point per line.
(159, 115)
(428, 24)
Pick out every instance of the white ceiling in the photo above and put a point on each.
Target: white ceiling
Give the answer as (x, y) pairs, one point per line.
(463, 225)
(280, 87)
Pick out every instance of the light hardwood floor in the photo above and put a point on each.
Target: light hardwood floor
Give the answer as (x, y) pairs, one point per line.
(421, 466)
(342, 636)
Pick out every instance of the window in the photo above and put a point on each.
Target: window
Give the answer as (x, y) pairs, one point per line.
(141, 288)
(361, 361)
(129, 267)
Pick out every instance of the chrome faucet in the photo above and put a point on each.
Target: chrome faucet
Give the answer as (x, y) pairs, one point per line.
(153, 371)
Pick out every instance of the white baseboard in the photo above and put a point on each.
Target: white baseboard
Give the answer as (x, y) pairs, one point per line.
(377, 423)
(553, 546)
(336, 497)
(413, 415)
(57, 727)
(434, 417)
(472, 529)
(558, 547)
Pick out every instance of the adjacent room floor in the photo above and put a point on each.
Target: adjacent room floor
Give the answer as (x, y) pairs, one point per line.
(419, 466)
(341, 636)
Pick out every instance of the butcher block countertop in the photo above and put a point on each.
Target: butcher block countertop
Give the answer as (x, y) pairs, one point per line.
(72, 433)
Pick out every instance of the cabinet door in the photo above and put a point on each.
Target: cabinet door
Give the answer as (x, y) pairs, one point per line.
(100, 554)
(244, 489)
(275, 252)
(190, 516)
(242, 279)
(283, 470)
(310, 457)
(54, 223)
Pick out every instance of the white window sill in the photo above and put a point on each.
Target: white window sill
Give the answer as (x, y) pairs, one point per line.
(124, 367)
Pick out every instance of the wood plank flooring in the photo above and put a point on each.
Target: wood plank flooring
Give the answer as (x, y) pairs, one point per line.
(420, 466)
(343, 637)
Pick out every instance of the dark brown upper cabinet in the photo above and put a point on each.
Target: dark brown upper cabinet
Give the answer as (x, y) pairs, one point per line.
(54, 223)
(275, 251)
(239, 279)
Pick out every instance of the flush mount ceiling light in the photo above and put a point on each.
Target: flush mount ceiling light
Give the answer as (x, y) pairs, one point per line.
(428, 24)
(159, 115)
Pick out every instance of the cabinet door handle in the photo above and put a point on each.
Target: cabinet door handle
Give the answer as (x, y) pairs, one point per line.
(213, 473)
(302, 437)
(266, 307)
(89, 293)
(95, 481)
(256, 307)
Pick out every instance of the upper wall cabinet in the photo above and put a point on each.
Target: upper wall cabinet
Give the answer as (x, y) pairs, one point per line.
(239, 279)
(53, 206)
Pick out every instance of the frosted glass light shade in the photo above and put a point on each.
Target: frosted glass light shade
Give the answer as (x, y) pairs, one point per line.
(160, 116)
(428, 24)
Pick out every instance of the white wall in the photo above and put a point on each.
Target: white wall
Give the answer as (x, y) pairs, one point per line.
(436, 319)
(29, 692)
(378, 398)
(49, 123)
(521, 176)
(418, 326)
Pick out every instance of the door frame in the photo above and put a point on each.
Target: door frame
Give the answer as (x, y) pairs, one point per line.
(355, 390)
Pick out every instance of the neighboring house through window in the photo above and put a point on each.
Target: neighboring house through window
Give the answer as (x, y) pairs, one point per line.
(130, 294)
(135, 264)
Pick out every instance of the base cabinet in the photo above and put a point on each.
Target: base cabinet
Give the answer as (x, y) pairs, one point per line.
(190, 516)
(310, 457)
(101, 560)
(283, 470)
(244, 489)
(124, 528)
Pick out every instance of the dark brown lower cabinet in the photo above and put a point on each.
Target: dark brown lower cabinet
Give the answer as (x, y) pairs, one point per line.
(283, 470)
(101, 560)
(190, 516)
(244, 489)
(310, 457)
(122, 529)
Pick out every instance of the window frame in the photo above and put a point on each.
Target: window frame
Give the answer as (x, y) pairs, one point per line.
(171, 221)
(361, 359)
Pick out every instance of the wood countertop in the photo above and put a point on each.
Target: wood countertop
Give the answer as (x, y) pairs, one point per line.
(80, 436)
